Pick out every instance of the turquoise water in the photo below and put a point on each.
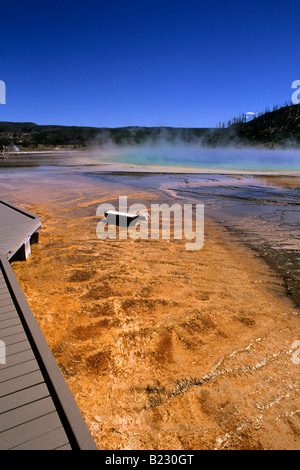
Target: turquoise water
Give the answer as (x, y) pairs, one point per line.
(179, 156)
(166, 156)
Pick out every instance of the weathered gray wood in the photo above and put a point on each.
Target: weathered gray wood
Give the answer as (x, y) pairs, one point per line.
(11, 331)
(49, 441)
(16, 227)
(66, 447)
(26, 413)
(16, 358)
(23, 397)
(18, 370)
(10, 322)
(28, 431)
(21, 383)
(7, 309)
(8, 315)
(16, 339)
(16, 348)
(5, 300)
(4, 296)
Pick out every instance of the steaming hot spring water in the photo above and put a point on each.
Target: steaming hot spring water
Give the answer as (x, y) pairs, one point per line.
(181, 156)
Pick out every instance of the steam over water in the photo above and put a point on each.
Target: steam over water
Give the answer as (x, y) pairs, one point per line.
(190, 156)
(166, 155)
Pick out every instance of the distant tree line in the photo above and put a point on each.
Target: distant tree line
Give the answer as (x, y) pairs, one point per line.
(244, 117)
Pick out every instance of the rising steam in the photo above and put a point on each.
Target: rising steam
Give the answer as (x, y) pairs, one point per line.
(182, 155)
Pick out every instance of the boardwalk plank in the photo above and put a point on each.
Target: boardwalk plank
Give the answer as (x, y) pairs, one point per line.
(56, 439)
(7, 308)
(18, 370)
(17, 348)
(8, 315)
(11, 331)
(21, 383)
(29, 431)
(10, 322)
(16, 339)
(17, 358)
(4, 295)
(6, 302)
(26, 413)
(23, 397)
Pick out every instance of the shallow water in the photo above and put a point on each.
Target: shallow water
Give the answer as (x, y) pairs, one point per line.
(264, 210)
(143, 331)
(166, 156)
(238, 159)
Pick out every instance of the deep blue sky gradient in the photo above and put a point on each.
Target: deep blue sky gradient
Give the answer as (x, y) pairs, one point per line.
(113, 63)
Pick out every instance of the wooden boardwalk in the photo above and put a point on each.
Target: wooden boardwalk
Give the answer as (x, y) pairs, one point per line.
(37, 410)
(16, 228)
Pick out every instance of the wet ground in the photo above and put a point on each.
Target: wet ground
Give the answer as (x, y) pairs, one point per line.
(264, 211)
(165, 348)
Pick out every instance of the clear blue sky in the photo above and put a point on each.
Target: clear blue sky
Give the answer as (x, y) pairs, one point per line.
(183, 63)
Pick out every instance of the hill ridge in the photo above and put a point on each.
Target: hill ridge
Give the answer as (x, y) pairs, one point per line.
(280, 127)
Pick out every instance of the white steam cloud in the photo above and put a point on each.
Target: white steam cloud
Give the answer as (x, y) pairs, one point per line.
(180, 155)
